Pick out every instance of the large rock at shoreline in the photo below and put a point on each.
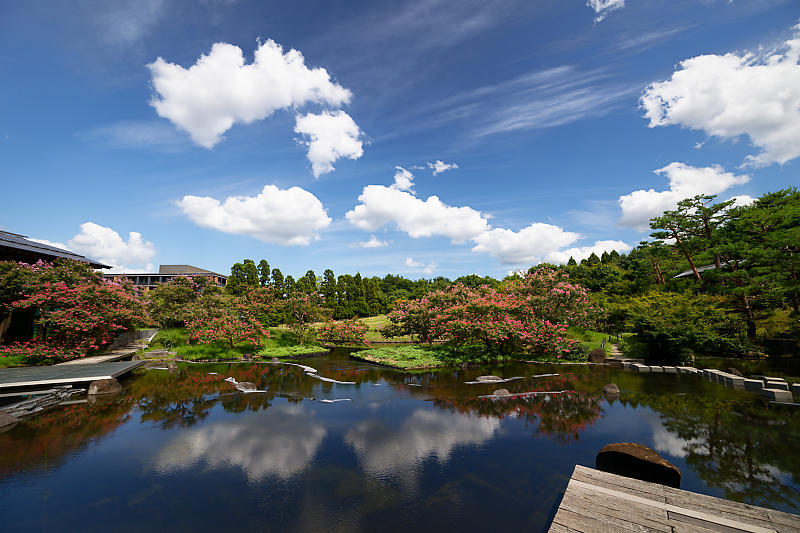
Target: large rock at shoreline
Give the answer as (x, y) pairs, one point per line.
(105, 386)
(639, 462)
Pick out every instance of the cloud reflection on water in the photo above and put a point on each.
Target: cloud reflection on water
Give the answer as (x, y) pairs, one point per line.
(279, 441)
(397, 449)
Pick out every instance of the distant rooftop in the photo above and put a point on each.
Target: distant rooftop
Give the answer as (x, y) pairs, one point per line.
(184, 269)
(15, 247)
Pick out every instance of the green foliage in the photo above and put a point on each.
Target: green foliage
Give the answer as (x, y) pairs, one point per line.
(672, 326)
(170, 338)
(169, 303)
(411, 356)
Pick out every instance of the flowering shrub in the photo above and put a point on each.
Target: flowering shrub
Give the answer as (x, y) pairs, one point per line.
(344, 332)
(527, 316)
(220, 317)
(77, 310)
(37, 351)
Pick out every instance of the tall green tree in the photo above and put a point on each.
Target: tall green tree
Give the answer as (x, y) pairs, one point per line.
(278, 282)
(263, 273)
(328, 289)
(250, 273)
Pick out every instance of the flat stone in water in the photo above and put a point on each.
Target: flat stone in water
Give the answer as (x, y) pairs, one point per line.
(245, 386)
(488, 379)
(6, 420)
(501, 392)
(777, 395)
(781, 385)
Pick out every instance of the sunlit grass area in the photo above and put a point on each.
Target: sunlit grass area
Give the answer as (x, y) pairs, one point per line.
(591, 339)
(376, 324)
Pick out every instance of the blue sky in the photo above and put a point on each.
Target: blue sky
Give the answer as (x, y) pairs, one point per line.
(420, 138)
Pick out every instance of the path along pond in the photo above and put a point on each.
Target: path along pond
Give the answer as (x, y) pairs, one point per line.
(184, 450)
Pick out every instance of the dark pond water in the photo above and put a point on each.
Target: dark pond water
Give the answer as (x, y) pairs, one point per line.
(184, 451)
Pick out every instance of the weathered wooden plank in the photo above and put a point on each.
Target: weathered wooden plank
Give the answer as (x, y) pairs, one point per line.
(599, 524)
(701, 502)
(599, 501)
(624, 484)
(597, 505)
(53, 375)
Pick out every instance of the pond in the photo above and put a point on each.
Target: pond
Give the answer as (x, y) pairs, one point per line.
(183, 450)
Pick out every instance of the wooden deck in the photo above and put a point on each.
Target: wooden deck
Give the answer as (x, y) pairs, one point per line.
(600, 502)
(34, 376)
(124, 352)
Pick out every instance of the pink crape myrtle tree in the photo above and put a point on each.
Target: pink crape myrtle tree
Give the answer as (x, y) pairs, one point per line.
(525, 316)
(229, 318)
(344, 332)
(76, 310)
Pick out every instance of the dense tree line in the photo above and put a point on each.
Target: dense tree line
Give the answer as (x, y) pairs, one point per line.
(347, 295)
(715, 278)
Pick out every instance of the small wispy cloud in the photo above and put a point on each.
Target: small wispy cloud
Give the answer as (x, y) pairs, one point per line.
(151, 134)
(373, 242)
(417, 265)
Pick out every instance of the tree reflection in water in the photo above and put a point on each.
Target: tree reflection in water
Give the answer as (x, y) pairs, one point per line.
(745, 448)
(733, 442)
(560, 417)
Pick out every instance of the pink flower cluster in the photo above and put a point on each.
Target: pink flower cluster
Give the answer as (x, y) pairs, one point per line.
(343, 332)
(524, 316)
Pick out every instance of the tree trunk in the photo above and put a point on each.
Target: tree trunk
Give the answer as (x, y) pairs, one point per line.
(749, 317)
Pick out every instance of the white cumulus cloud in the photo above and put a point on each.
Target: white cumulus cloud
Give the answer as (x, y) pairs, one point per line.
(440, 166)
(603, 7)
(106, 246)
(329, 136)
(403, 180)
(417, 265)
(528, 245)
(685, 181)
(583, 252)
(219, 90)
(382, 205)
(727, 96)
(291, 216)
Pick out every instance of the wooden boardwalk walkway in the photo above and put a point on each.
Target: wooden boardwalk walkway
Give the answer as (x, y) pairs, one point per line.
(35, 376)
(125, 352)
(601, 502)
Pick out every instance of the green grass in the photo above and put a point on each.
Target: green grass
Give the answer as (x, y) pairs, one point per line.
(15, 360)
(376, 324)
(269, 352)
(591, 339)
(409, 356)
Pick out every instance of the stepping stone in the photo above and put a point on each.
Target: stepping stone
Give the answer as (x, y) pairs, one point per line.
(670, 370)
(642, 368)
(753, 385)
(656, 369)
(796, 388)
(781, 385)
(771, 378)
(777, 395)
(734, 382)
